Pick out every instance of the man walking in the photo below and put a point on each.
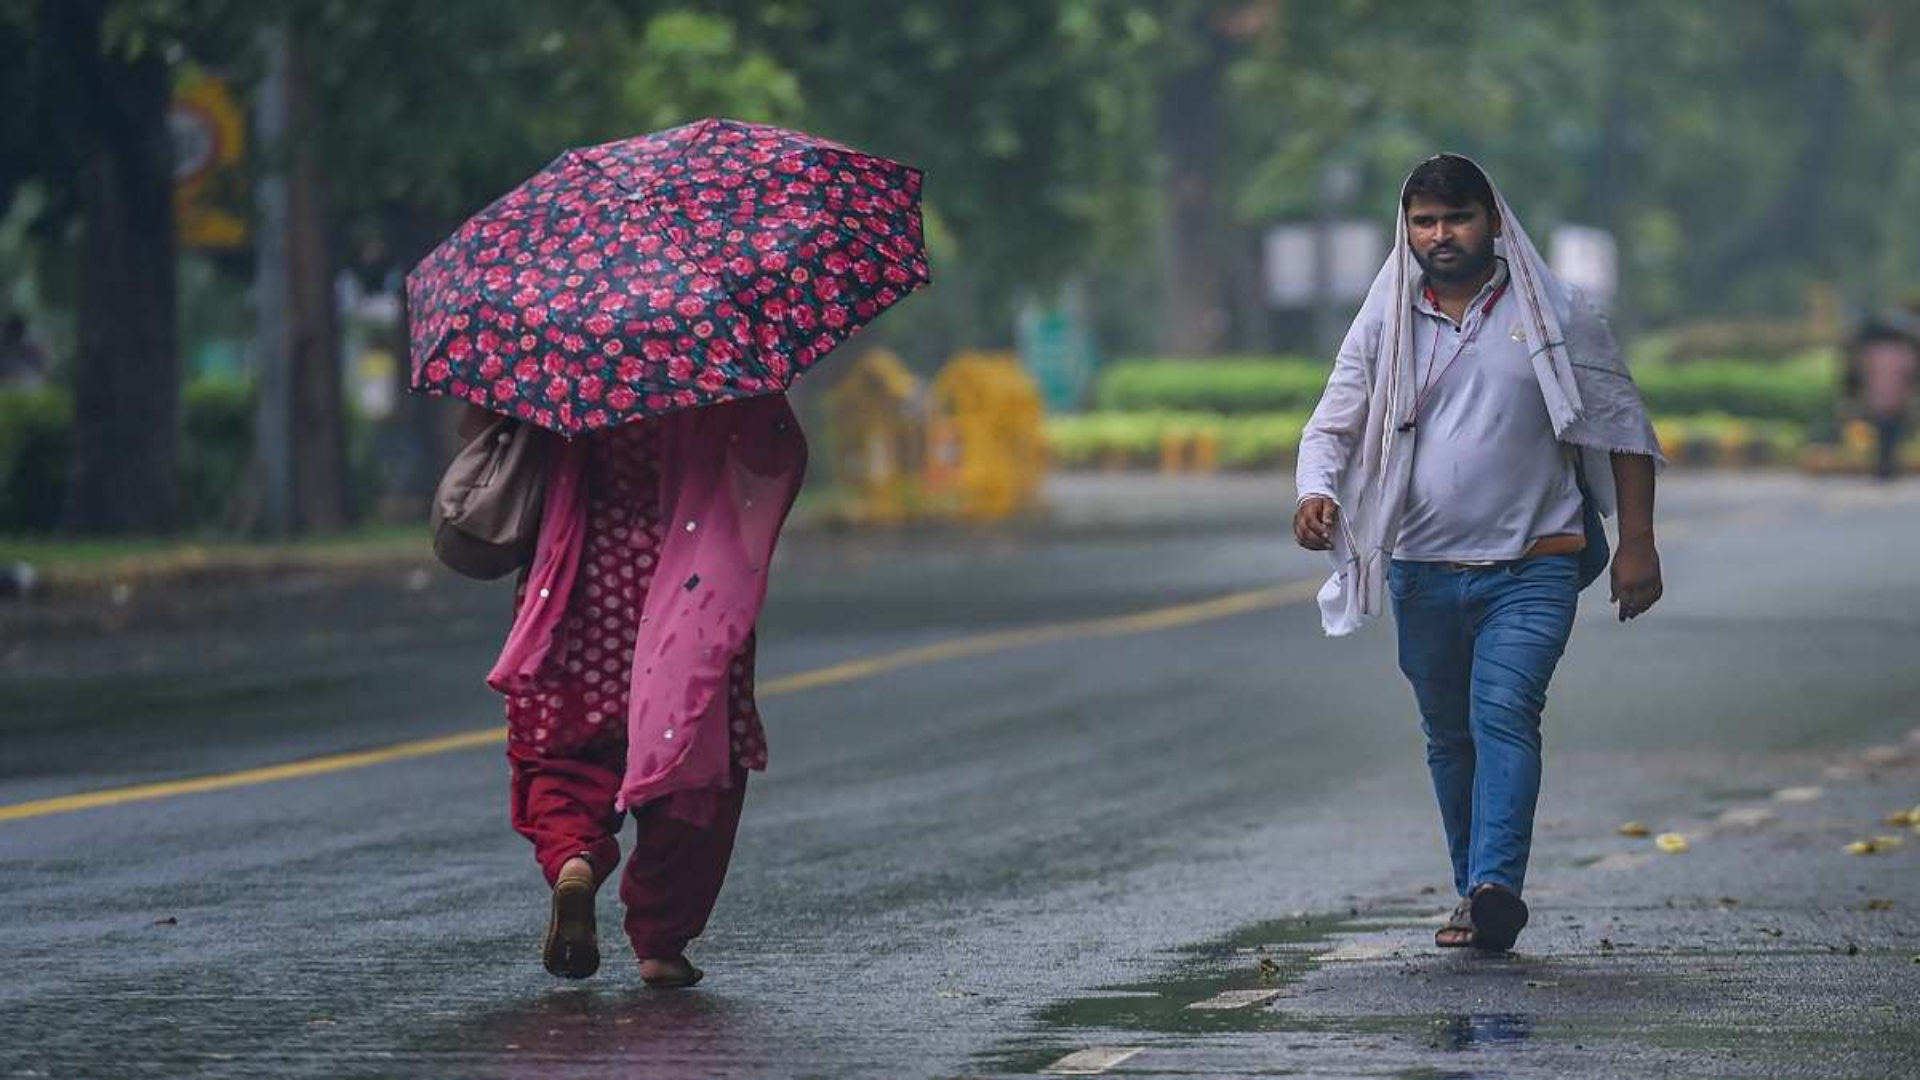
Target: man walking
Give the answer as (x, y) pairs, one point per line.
(1478, 421)
(1886, 364)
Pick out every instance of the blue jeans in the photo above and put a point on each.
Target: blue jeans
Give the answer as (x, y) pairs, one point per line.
(1479, 646)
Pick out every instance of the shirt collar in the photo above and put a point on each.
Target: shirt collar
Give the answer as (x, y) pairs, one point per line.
(1424, 304)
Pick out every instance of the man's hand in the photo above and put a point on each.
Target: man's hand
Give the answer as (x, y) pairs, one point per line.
(1636, 576)
(1313, 522)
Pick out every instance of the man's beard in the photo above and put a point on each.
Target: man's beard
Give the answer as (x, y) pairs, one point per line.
(1469, 266)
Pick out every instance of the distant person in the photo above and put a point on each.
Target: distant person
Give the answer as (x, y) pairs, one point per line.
(23, 363)
(629, 671)
(1478, 421)
(1885, 365)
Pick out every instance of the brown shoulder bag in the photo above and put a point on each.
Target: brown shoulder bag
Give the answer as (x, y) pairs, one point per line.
(486, 511)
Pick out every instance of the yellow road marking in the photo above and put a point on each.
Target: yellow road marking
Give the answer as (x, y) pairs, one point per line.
(853, 671)
(246, 777)
(1117, 626)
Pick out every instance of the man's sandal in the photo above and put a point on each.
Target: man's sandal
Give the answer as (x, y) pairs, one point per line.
(1497, 917)
(1458, 931)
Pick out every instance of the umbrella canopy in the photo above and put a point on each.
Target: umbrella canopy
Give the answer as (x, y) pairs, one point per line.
(702, 264)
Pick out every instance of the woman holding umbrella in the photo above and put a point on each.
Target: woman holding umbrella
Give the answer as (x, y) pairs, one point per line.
(651, 301)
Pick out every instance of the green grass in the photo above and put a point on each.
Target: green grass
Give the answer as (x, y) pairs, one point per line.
(102, 553)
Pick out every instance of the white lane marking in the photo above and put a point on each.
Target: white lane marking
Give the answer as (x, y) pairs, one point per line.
(1236, 999)
(1797, 794)
(1092, 1061)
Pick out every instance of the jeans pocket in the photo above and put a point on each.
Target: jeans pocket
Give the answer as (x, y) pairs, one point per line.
(1403, 581)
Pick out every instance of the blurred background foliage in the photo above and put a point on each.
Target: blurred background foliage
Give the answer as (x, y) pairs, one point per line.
(1751, 157)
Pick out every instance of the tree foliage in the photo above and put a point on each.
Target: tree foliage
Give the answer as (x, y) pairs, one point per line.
(1744, 152)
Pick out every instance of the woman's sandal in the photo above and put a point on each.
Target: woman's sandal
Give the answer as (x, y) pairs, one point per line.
(572, 949)
(674, 973)
(1458, 931)
(1497, 917)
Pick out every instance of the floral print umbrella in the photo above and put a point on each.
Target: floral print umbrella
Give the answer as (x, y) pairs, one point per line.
(702, 264)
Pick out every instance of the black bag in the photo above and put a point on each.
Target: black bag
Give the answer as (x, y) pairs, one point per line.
(1596, 555)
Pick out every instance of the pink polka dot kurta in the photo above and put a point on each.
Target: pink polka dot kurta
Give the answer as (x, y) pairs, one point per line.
(578, 703)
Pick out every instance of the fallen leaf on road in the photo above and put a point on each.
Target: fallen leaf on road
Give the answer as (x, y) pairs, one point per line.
(1879, 905)
(1672, 843)
(1861, 847)
(1635, 830)
(1900, 818)
(1797, 794)
(1745, 817)
(1884, 755)
(1268, 969)
(1885, 843)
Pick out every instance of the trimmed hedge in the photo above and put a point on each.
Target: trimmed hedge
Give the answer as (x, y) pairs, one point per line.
(1269, 440)
(1720, 439)
(1233, 386)
(1804, 391)
(36, 444)
(215, 447)
(36, 450)
(1136, 440)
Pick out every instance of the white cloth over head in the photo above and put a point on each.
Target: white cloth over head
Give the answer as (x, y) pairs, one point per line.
(1354, 451)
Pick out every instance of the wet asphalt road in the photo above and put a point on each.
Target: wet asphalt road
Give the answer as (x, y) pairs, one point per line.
(981, 865)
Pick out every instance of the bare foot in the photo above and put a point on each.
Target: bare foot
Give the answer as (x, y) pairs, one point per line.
(672, 973)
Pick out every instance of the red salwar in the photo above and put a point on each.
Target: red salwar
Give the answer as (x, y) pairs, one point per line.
(567, 741)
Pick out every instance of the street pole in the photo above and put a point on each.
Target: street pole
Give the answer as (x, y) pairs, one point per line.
(273, 299)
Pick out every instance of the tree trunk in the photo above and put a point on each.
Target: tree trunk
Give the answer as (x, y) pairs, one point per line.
(1190, 135)
(127, 365)
(424, 437)
(319, 444)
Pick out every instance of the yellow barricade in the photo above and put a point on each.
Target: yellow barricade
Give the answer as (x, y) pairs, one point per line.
(877, 433)
(1188, 451)
(986, 456)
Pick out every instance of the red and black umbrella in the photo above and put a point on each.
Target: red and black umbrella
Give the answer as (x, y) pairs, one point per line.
(702, 264)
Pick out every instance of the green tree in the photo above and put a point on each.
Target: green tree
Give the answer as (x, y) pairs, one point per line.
(86, 123)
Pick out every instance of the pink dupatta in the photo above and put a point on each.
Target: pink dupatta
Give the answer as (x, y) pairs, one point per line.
(729, 475)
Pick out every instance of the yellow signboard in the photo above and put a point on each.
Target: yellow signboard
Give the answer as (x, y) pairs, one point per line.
(209, 142)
